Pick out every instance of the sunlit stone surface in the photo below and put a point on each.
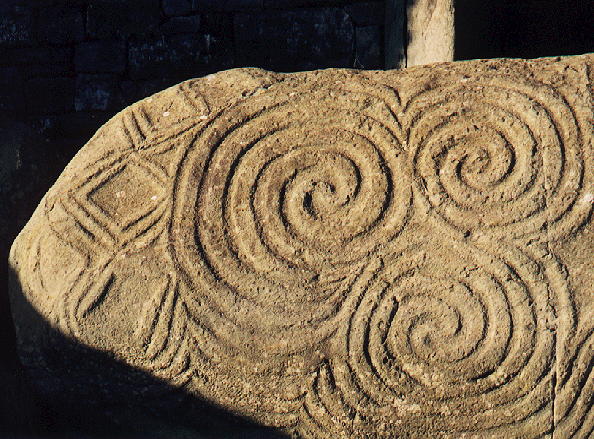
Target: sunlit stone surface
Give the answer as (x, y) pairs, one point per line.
(333, 253)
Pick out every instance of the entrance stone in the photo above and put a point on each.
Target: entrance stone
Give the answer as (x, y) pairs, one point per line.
(334, 253)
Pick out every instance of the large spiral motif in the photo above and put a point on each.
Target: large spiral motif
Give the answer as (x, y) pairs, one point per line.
(446, 339)
(500, 156)
(298, 190)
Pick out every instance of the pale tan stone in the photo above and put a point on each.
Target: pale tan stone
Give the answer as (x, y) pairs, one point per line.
(430, 27)
(337, 253)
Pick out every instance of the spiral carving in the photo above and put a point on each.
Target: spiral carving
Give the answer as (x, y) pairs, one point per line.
(450, 347)
(499, 156)
(353, 254)
(292, 197)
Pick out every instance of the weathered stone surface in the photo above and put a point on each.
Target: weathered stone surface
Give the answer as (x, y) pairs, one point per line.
(430, 29)
(335, 253)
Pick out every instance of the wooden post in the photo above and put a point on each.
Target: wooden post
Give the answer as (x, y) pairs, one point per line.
(394, 36)
(430, 30)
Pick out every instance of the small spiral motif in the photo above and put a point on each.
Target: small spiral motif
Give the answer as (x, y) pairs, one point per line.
(500, 157)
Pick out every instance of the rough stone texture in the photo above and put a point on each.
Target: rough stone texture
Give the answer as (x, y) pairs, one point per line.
(335, 253)
(84, 60)
(430, 26)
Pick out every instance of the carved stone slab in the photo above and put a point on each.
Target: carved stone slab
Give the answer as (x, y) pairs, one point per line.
(336, 253)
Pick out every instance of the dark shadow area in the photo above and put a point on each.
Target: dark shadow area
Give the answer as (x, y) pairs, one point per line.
(78, 392)
(19, 408)
(523, 29)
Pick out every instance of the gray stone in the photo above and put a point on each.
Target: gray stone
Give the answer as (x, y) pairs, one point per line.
(108, 18)
(294, 40)
(167, 56)
(58, 25)
(50, 95)
(367, 14)
(368, 52)
(100, 57)
(181, 25)
(96, 92)
(177, 7)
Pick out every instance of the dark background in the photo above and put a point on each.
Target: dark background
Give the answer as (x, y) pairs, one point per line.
(68, 66)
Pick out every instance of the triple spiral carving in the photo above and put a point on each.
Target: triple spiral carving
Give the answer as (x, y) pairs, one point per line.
(295, 202)
(347, 260)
